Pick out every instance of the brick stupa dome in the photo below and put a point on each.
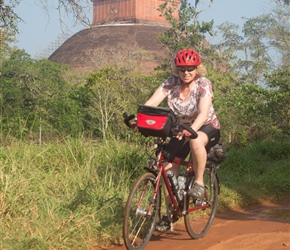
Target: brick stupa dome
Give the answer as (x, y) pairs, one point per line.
(118, 26)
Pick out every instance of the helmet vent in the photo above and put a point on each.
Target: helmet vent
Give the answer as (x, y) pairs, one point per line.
(187, 58)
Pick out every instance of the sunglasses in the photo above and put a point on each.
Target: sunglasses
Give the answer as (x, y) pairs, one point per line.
(188, 69)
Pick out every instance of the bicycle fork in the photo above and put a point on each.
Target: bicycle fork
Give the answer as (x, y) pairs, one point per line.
(152, 200)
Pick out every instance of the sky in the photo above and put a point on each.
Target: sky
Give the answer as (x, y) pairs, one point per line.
(39, 31)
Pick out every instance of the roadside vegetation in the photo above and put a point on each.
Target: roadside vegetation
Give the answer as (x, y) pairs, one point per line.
(71, 194)
(67, 161)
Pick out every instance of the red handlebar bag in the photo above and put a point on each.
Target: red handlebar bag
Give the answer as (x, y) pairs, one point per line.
(155, 121)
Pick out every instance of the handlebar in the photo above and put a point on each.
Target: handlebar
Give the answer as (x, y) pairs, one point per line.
(127, 120)
(190, 130)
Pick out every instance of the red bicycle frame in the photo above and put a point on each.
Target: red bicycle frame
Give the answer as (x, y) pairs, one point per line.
(163, 174)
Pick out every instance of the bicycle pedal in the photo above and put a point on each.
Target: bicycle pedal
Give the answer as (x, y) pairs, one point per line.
(200, 202)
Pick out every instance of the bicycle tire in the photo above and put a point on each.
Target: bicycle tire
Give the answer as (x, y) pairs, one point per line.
(138, 226)
(199, 221)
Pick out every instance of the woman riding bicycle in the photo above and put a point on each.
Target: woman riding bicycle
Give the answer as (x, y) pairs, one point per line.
(189, 95)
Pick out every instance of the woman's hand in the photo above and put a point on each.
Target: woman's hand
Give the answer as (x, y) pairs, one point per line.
(184, 134)
(134, 126)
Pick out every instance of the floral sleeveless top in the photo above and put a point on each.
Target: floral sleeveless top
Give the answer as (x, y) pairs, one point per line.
(186, 109)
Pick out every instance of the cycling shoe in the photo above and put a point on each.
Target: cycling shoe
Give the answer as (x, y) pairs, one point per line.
(197, 191)
(163, 225)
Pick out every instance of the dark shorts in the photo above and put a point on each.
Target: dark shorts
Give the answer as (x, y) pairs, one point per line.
(181, 148)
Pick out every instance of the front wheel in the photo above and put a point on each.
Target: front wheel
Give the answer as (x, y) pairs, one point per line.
(139, 222)
(198, 222)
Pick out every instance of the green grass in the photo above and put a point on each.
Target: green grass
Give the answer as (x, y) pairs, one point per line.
(71, 195)
(63, 196)
(255, 174)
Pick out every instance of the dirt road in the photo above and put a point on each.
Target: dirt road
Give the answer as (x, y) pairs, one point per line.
(262, 228)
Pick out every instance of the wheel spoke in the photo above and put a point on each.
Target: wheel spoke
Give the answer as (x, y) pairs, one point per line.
(198, 221)
(138, 223)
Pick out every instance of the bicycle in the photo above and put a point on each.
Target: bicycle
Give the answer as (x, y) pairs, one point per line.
(143, 206)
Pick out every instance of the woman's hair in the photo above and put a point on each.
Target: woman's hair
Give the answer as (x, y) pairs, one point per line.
(200, 70)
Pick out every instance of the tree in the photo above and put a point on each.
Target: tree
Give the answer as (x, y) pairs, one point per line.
(8, 27)
(110, 92)
(263, 46)
(36, 99)
(285, 2)
(187, 31)
(279, 99)
(279, 34)
(76, 8)
(8, 18)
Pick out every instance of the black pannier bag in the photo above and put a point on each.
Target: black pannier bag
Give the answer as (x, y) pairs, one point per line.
(155, 121)
(217, 153)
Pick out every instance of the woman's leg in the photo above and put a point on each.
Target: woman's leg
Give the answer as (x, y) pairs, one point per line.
(164, 224)
(199, 157)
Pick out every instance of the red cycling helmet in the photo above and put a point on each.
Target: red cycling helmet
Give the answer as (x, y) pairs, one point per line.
(187, 57)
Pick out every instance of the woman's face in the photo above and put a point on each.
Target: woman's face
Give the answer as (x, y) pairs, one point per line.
(187, 74)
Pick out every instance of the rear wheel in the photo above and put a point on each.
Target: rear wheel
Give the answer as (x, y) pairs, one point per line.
(138, 223)
(198, 222)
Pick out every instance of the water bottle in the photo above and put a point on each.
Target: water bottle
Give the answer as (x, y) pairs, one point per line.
(173, 180)
(181, 184)
(181, 181)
